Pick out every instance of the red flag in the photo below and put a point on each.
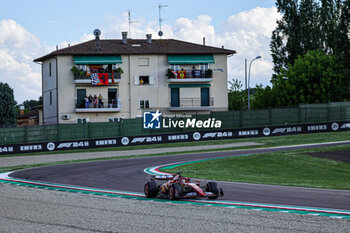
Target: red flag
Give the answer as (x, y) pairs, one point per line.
(103, 77)
(181, 74)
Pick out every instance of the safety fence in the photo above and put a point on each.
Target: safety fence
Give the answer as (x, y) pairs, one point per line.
(303, 114)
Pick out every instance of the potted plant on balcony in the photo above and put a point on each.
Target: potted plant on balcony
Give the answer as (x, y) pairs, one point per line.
(209, 73)
(78, 74)
(118, 72)
(170, 74)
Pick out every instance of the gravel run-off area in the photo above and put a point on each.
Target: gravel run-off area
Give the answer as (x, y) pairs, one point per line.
(24, 209)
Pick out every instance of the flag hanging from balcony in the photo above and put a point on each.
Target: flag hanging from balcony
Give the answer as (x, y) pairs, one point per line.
(181, 74)
(99, 79)
(103, 77)
(94, 79)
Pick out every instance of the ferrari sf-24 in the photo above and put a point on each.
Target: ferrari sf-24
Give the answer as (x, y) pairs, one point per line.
(175, 187)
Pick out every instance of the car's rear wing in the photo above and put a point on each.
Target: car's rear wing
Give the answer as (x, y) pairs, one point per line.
(163, 177)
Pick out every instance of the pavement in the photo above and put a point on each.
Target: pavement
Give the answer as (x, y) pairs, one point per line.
(36, 159)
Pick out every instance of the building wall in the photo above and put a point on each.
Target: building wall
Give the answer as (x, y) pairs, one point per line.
(66, 87)
(67, 95)
(157, 91)
(128, 90)
(219, 89)
(49, 87)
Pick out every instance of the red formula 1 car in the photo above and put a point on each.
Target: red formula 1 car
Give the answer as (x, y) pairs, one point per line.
(178, 187)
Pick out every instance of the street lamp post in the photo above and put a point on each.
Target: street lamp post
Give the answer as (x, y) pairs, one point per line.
(250, 64)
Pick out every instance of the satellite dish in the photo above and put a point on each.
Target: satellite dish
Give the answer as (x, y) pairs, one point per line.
(97, 32)
(160, 33)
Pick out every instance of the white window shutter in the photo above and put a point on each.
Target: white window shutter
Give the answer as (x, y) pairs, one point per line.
(136, 80)
(151, 80)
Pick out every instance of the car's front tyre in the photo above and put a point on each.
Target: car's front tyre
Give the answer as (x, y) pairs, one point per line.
(213, 187)
(175, 192)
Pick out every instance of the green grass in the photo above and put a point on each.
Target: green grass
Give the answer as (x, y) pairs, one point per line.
(290, 168)
(265, 141)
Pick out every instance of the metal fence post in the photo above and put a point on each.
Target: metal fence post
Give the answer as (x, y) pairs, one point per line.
(58, 132)
(89, 130)
(121, 125)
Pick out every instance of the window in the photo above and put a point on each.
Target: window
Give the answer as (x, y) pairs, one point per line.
(144, 104)
(175, 67)
(204, 66)
(144, 80)
(113, 119)
(143, 61)
(112, 98)
(50, 97)
(50, 69)
(81, 120)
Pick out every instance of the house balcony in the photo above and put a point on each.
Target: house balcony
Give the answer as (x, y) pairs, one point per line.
(191, 104)
(190, 76)
(113, 79)
(105, 106)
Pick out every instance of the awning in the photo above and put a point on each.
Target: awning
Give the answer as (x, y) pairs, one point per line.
(190, 59)
(98, 60)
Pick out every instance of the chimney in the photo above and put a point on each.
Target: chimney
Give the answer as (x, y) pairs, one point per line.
(21, 110)
(149, 38)
(203, 40)
(97, 43)
(223, 47)
(125, 37)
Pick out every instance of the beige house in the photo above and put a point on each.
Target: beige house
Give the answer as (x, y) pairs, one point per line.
(132, 76)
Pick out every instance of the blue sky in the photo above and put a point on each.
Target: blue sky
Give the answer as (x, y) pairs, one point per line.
(33, 28)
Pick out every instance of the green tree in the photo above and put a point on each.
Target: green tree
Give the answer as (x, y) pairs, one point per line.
(309, 25)
(296, 33)
(263, 97)
(236, 97)
(29, 104)
(314, 78)
(7, 104)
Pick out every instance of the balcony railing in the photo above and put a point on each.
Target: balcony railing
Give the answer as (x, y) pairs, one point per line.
(192, 104)
(105, 105)
(190, 76)
(83, 78)
(88, 77)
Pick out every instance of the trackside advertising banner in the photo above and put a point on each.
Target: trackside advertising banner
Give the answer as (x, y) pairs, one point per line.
(179, 137)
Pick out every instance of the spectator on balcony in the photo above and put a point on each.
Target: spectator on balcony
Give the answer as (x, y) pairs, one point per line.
(90, 101)
(193, 72)
(100, 102)
(86, 101)
(95, 101)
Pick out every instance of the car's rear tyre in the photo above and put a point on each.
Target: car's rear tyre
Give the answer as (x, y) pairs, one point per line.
(175, 192)
(150, 189)
(213, 187)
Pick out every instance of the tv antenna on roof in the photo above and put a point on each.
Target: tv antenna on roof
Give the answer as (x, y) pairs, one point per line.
(97, 32)
(130, 22)
(160, 33)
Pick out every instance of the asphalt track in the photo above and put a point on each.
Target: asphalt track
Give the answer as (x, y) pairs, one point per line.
(128, 175)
